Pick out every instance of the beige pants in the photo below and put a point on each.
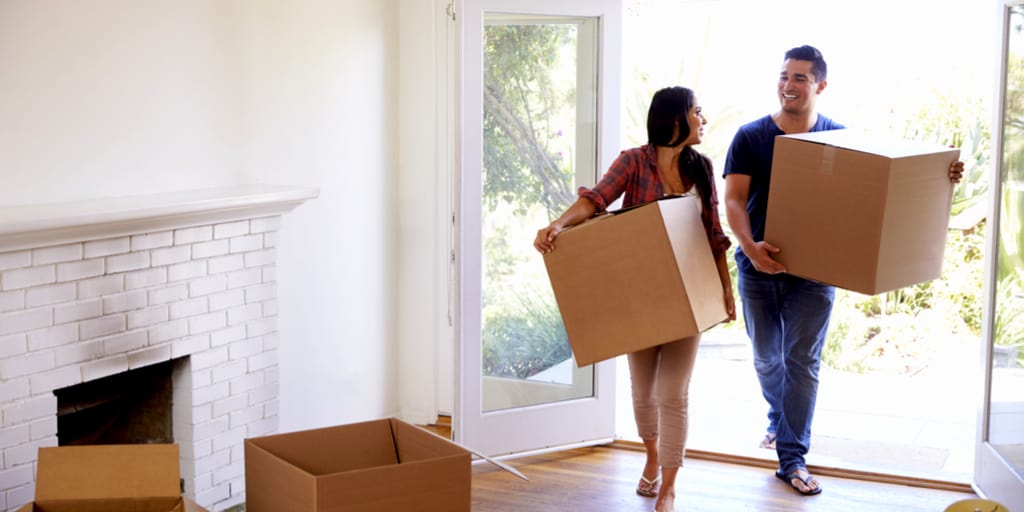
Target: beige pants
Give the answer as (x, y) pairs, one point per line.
(661, 382)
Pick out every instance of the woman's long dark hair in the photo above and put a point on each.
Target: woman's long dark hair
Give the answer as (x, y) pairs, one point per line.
(670, 106)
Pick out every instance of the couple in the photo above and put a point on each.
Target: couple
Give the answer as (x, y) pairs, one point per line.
(786, 316)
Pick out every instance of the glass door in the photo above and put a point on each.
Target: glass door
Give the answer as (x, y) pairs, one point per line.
(999, 464)
(538, 118)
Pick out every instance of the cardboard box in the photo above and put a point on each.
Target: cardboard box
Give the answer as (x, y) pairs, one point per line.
(858, 211)
(380, 466)
(109, 478)
(635, 279)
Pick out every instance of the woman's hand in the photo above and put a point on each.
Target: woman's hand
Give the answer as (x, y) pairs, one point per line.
(730, 304)
(956, 171)
(545, 241)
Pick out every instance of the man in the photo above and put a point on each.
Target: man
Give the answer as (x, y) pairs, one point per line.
(786, 316)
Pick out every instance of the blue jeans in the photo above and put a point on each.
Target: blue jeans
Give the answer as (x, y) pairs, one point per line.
(787, 319)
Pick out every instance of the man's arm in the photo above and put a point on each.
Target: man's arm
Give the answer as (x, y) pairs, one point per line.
(737, 190)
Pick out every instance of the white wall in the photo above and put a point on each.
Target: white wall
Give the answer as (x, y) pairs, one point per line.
(114, 97)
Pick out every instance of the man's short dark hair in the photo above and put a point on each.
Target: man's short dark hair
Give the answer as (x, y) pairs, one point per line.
(809, 53)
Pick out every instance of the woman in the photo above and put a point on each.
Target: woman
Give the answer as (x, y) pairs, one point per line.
(666, 165)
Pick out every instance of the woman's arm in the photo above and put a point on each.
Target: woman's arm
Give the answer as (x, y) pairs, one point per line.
(723, 274)
(580, 211)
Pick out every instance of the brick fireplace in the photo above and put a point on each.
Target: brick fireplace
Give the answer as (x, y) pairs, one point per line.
(93, 289)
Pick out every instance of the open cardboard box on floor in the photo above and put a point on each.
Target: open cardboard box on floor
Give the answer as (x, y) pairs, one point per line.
(858, 211)
(109, 478)
(635, 279)
(380, 466)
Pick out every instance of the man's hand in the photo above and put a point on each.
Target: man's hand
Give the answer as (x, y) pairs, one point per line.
(760, 255)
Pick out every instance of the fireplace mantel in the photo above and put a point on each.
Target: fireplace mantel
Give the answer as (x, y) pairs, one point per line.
(40, 225)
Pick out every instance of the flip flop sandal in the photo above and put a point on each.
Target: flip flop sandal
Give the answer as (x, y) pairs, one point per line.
(768, 443)
(648, 488)
(793, 475)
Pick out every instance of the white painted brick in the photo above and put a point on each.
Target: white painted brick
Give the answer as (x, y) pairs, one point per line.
(264, 427)
(208, 322)
(207, 285)
(230, 229)
(213, 495)
(26, 364)
(79, 352)
(145, 278)
(272, 408)
(127, 262)
(151, 240)
(202, 378)
(149, 356)
(125, 343)
(269, 274)
(243, 278)
(225, 336)
(9, 301)
(52, 336)
(104, 367)
(26, 277)
(254, 328)
(271, 341)
(80, 270)
(100, 248)
(32, 409)
(269, 308)
(102, 326)
(262, 360)
(52, 294)
(226, 372)
(121, 302)
(14, 344)
(208, 430)
(260, 293)
(25, 320)
(271, 239)
(45, 382)
(264, 393)
(246, 382)
(224, 300)
(18, 259)
(46, 427)
(168, 294)
(246, 416)
(229, 405)
(227, 263)
(218, 458)
(189, 346)
(13, 389)
(21, 495)
(264, 224)
(26, 453)
(192, 235)
(241, 350)
(170, 255)
(18, 434)
(209, 249)
(243, 314)
(187, 308)
(99, 286)
(74, 312)
(57, 254)
(260, 258)
(210, 358)
(225, 474)
(16, 476)
(246, 243)
(200, 414)
(202, 483)
(146, 317)
(187, 270)
(168, 331)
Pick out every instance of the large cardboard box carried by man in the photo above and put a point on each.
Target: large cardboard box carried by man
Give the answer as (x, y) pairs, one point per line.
(858, 211)
(634, 279)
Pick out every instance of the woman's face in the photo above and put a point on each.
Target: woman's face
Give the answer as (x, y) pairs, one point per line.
(695, 118)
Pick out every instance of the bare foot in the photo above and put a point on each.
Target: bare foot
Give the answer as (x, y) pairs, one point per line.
(666, 501)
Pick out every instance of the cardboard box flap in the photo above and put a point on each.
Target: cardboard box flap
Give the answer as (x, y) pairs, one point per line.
(858, 140)
(366, 444)
(413, 443)
(108, 472)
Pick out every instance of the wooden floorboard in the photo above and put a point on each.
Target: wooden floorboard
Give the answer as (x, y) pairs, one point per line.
(602, 479)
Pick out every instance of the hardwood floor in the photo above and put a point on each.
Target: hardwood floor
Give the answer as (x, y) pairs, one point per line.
(602, 479)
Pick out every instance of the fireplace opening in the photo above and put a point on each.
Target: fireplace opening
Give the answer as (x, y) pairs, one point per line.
(132, 407)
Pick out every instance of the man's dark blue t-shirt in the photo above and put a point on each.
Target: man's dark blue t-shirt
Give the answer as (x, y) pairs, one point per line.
(751, 153)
